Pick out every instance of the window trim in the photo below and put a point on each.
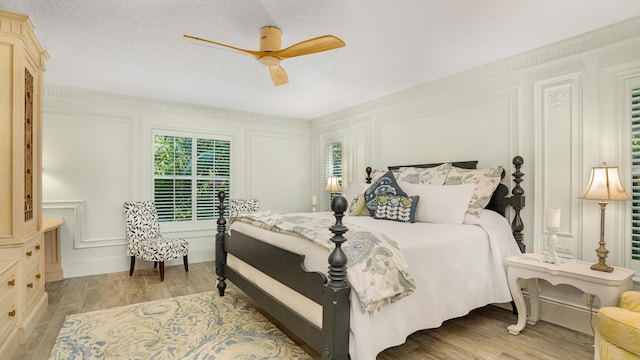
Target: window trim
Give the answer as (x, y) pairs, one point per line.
(194, 224)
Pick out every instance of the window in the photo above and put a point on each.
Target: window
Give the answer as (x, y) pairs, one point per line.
(635, 171)
(333, 166)
(188, 172)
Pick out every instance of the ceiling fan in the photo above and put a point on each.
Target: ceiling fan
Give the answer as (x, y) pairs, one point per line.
(271, 53)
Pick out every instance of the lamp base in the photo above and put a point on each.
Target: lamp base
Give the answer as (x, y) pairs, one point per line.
(602, 251)
(601, 266)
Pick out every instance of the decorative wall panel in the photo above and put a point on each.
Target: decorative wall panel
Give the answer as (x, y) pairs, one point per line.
(461, 130)
(558, 128)
(274, 176)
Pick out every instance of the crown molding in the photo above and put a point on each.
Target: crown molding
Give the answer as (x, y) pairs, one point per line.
(20, 27)
(98, 98)
(607, 36)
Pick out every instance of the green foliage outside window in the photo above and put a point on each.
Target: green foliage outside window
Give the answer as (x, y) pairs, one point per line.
(178, 184)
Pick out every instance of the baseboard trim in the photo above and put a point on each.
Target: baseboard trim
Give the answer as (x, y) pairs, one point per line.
(87, 267)
(568, 315)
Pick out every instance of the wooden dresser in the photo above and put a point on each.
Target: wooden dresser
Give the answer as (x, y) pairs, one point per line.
(23, 300)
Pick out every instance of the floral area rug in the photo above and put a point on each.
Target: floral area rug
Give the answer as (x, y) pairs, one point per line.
(199, 326)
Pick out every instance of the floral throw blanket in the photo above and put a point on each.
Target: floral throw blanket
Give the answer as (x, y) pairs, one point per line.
(377, 270)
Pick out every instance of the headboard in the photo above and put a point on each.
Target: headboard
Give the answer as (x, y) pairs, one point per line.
(500, 200)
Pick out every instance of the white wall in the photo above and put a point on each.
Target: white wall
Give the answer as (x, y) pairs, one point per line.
(562, 107)
(97, 153)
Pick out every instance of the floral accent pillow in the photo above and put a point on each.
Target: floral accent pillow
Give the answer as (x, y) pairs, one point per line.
(385, 185)
(486, 181)
(432, 176)
(397, 208)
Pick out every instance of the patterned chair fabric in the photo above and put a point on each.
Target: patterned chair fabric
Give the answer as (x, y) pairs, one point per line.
(619, 329)
(238, 206)
(145, 240)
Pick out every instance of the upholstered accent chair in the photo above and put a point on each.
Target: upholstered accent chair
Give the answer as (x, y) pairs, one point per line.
(238, 206)
(618, 335)
(145, 240)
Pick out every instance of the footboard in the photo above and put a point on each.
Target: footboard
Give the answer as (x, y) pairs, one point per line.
(331, 293)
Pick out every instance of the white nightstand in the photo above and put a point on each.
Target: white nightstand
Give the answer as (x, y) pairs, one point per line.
(607, 286)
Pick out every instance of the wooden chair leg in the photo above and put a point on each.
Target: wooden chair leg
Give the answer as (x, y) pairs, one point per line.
(186, 263)
(161, 270)
(133, 264)
(155, 264)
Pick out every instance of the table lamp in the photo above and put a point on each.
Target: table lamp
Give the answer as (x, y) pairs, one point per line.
(604, 186)
(333, 185)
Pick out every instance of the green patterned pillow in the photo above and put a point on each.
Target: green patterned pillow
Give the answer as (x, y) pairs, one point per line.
(397, 208)
(357, 206)
(433, 176)
(486, 181)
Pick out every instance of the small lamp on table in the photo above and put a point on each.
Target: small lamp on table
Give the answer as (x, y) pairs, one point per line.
(333, 185)
(604, 186)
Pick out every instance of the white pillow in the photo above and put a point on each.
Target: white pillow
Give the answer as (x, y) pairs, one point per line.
(442, 204)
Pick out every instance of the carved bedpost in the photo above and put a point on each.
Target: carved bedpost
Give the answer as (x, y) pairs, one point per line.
(221, 255)
(335, 317)
(517, 203)
(368, 178)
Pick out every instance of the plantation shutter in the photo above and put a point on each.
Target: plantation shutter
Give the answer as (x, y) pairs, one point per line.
(213, 174)
(635, 170)
(333, 166)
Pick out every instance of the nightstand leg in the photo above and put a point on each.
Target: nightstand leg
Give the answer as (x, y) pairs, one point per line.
(534, 299)
(518, 299)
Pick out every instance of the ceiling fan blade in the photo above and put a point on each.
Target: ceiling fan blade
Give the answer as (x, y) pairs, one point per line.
(315, 45)
(278, 75)
(255, 54)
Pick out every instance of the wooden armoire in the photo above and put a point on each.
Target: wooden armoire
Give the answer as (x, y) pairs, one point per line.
(23, 299)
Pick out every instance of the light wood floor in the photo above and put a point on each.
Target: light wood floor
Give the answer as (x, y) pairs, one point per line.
(479, 335)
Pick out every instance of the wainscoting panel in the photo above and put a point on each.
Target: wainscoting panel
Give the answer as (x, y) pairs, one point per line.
(73, 213)
(478, 128)
(88, 157)
(558, 128)
(274, 161)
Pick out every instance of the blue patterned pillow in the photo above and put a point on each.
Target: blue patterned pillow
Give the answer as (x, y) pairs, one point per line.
(384, 185)
(397, 208)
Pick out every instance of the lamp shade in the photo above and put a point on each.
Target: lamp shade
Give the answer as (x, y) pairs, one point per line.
(605, 185)
(333, 185)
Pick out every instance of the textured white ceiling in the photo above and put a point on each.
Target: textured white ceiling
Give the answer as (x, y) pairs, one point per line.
(135, 47)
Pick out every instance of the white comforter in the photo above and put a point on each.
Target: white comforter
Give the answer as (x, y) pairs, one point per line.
(457, 268)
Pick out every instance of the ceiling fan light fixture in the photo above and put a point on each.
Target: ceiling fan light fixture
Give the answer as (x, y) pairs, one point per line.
(269, 61)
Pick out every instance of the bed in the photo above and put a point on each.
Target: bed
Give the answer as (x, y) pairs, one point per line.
(306, 287)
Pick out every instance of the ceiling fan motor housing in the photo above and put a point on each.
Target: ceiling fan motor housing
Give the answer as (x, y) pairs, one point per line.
(270, 40)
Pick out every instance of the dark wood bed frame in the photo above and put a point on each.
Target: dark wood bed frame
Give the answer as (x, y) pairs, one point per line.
(330, 290)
